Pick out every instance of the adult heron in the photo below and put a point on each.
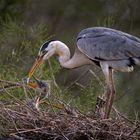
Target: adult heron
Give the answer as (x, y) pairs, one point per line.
(108, 48)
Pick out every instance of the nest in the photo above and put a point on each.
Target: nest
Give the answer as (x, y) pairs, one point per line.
(21, 121)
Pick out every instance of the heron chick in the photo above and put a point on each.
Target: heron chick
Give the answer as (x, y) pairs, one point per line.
(110, 49)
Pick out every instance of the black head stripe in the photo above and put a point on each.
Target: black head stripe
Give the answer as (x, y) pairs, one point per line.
(45, 45)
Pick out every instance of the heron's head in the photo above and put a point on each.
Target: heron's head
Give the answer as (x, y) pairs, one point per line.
(45, 52)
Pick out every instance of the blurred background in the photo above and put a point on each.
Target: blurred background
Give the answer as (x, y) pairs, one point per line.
(26, 24)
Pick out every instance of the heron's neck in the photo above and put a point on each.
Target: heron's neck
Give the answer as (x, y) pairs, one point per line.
(64, 56)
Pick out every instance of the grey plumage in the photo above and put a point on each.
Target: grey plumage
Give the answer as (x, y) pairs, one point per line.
(106, 44)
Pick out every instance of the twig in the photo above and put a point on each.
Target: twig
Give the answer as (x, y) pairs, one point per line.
(75, 81)
(52, 105)
(123, 116)
(14, 85)
(57, 126)
(25, 92)
(28, 130)
(131, 133)
(16, 99)
(10, 86)
(11, 117)
(9, 82)
(98, 79)
(50, 66)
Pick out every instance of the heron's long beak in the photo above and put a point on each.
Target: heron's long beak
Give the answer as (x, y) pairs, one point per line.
(36, 65)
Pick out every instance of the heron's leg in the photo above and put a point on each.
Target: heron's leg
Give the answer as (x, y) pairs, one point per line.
(106, 71)
(110, 94)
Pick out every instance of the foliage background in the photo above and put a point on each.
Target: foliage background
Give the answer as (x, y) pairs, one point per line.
(26, 24)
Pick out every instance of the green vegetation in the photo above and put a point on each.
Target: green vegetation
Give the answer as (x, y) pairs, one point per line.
(19, 46)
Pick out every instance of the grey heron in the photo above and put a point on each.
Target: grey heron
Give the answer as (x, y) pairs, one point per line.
(110, 49)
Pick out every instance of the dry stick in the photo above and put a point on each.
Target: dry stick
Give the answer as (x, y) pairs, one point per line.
(97, 77)
(3, 89)
(63, 105)
(9, 82)
(29, 130)
(80, 85)
(81, 75)
(131, 133)
(52, 104)
(20, 101)
(53, 77)
(10, 86)
(11, 117)
(5, 111)
(116, 111)
(123, 94)
(13, 85)
(16, 112)
(100, 129)
(24, 88)
(57, 126)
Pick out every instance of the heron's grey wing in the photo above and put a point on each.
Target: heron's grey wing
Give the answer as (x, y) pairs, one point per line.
(106, 44)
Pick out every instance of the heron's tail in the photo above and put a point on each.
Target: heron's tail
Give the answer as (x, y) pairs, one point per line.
(136, 60)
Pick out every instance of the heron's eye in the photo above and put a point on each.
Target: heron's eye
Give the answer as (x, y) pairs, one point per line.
(43, 53)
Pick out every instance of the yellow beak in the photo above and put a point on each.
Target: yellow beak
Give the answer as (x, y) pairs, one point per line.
(36, 65)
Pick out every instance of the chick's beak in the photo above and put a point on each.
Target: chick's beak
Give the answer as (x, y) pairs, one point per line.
(36, 65)
(33, 85)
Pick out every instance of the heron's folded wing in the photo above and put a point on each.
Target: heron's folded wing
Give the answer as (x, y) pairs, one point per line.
(108, 44)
